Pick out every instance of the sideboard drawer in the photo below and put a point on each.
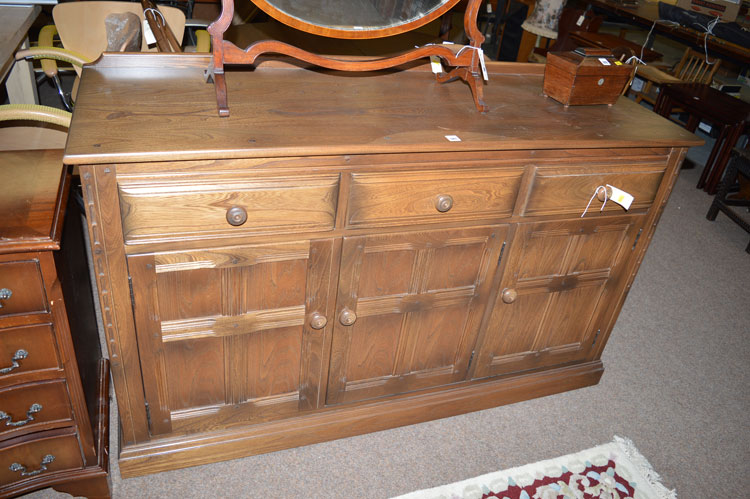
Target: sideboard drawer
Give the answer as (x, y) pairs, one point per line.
(567, 191)
(192, 208)
(393, 198)
(24, 408)
(26, 349)
(21, 288)
(39, 457)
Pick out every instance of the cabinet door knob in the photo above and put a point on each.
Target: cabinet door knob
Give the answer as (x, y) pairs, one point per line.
(443, 203)
(236, 215)
(603, 193)
(318, 321)
(5, 293)
(347, 317)
(509, 295)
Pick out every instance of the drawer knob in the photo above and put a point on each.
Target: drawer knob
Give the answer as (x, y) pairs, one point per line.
(509, 295)
(603, 193)
(318, 321)
(236, 216)
(19, 355)
(16, 467)
(347, 317)
(443, 203)
(29, 416)
(5, 293)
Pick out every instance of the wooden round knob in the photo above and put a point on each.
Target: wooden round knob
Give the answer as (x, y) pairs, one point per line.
(236, 216)
(603, 193)
(443, 203)
(318, 321)
(509, 295)
(347, 317)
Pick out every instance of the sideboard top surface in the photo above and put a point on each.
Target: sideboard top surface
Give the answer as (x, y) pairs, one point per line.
(134, 108)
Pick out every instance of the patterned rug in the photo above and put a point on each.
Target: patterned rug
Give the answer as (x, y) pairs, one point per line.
(611, 471)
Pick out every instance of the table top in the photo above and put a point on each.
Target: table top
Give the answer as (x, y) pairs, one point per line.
(33, 189)
(645, 13)
(16, 21)
(708, 102)
(153, 107)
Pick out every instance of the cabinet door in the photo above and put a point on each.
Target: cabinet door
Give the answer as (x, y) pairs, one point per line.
(233, 334)
(408, 310)
(556, 293)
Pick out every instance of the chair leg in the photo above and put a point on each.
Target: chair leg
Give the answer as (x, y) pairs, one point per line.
(63, 96)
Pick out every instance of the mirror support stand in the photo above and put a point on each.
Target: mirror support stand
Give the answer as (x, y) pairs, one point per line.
(464, 59)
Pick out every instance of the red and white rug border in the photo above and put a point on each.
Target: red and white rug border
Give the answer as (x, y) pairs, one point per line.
(630, 464)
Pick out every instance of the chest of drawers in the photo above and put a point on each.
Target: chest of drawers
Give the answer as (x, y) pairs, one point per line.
(53, 383)
(325, 262)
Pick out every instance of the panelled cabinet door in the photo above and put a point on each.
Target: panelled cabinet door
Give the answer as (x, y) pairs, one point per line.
(408, 310)
(231, 334)
(555, 294)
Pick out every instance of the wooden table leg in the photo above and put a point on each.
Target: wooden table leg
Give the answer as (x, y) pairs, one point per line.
(724, 154)
(705, 174)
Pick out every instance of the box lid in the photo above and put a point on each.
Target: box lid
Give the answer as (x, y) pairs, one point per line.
(588, 62)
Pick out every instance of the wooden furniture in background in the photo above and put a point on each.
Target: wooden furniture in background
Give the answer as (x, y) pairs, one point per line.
(19, 84)
(54, 401)
(703, 103)
(738, 171)
(612, 42)
(330, 260)
(692, 68)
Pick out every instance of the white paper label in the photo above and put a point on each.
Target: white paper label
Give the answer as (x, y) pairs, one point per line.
(489, 8)
(620, 197)
(435, 64)
(482, 64)
(580, 20)
(605, 61)
(150, 38)
(453, 138)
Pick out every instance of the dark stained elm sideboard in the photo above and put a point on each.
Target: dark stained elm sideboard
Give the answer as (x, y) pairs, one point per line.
(326, 262)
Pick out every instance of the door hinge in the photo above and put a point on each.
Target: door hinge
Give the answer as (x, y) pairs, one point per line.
(471, 359)
(595, 337)
(502, 250)
(130, 285)
(637, 237)
(148, 414)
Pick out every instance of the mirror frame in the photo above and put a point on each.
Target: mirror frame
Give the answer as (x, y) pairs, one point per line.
(466, 61)
(317, 29)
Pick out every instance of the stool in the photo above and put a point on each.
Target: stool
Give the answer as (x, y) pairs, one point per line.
(701, 102)
(739, 166)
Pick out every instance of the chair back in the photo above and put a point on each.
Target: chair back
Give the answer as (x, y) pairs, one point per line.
(81, 25)
(693, 68)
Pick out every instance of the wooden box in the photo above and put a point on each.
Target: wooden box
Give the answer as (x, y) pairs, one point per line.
(585, 77)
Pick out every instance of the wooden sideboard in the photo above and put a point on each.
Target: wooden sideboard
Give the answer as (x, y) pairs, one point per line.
(54, 400)
(350, 253)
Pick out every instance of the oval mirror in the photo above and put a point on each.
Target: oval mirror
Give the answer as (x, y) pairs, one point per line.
(355, 18)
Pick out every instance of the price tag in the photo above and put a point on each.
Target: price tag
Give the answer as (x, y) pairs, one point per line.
(435, 64)
(621, 197)
(580, 20)
(605, 61)
(150, 38)
(453, 138)
(482, 64)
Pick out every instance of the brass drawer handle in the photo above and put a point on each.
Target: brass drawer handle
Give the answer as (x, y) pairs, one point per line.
(15, 467)
(347, 317)
(19, 355)
(443, 203)
(5, 293)
(318, 321)
(509, 295)
(236, 215)
(29, 416)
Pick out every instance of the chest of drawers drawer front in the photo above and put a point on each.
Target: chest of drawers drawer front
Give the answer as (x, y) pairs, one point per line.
(558, 191)
(153, 210)
(39, 457)
(394, 198)
(21, 288)
(28, 407)
(27, 349)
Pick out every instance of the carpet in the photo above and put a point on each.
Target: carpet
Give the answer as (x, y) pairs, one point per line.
(615, 470)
